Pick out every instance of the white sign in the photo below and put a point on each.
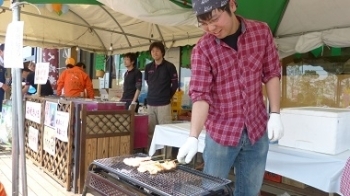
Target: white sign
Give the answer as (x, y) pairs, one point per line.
(13, 54)
(33, 135)
(33, 111)
(49, 140)
(62, 121)
(41, 73)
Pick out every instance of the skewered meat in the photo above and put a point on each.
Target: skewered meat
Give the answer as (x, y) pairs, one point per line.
(135, 161)
(154, 167)
(169, 165)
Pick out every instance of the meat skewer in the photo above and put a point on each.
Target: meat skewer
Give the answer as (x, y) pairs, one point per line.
(135, 161)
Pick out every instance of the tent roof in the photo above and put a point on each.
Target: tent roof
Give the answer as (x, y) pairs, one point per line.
(96, 28)
(130, 25)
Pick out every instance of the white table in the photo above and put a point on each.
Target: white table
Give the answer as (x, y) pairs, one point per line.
(314, 169)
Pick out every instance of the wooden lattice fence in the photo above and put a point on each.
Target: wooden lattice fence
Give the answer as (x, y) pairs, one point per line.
(59, 166)
(34, 156)
(104, 134)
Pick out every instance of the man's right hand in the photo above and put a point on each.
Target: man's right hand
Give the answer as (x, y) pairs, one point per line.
(188, 150)
(5, 87)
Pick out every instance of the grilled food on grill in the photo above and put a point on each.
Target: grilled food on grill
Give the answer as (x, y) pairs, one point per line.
(154, 167)
(135, 161)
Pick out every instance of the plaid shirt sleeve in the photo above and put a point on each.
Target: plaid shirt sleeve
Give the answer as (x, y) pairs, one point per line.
(271, 63)
(201, 78)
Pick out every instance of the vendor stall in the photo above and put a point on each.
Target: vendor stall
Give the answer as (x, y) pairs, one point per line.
(63, 136)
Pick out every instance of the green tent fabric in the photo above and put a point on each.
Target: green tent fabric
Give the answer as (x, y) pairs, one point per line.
(90, 2)
(183, 3)
(186, 56)
(336, 51)
(317, 51)
(143, 59)
(269, 11)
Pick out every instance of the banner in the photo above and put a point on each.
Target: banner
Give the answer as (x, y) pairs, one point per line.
(13, 55)
(41, 73)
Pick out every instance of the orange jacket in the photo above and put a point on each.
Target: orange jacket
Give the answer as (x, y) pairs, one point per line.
(2, 190)
(74, 81)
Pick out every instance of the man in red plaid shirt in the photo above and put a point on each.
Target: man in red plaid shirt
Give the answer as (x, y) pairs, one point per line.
(229, 64)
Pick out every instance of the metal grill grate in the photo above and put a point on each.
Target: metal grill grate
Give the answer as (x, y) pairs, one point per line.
(183, 181)
(105, 188)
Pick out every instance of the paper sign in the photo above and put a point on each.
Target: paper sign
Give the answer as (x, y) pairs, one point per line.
(41, 73)
(62, 121)
(50, 114)
(13, 54)
(33, 111)
(33, 135)
(49, 140)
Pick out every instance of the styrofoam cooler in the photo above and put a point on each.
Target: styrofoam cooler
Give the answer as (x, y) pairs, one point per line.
(323, 130)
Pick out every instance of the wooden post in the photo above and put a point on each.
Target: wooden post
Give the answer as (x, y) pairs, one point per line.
(38, 90)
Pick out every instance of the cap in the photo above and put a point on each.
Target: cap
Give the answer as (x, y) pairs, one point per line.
(70, 61)
(204, 6)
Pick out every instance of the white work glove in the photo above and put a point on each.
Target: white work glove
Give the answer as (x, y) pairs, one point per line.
(188, 150)
(275, 127)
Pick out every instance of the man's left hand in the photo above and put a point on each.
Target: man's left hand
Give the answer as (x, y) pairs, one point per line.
(275, 127)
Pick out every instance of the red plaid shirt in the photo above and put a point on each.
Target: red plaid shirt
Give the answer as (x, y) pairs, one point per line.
(345, 180)
(231, 82)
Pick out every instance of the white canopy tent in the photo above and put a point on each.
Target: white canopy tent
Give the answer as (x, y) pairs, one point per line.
(97, 28)
(130, 25)
(309, 24)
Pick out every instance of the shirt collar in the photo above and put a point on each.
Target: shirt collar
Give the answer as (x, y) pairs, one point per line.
(243, 27)
(154, 63)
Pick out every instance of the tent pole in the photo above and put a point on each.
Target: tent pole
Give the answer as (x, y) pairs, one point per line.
(15, 147)
(15, 150)
(17, 96)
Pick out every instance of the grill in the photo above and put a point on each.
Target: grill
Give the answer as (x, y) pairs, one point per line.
(111, 176)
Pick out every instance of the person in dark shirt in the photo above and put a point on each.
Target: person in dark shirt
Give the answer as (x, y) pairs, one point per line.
(30, 88)
(3, 86)
(162, 80)
(132, 81)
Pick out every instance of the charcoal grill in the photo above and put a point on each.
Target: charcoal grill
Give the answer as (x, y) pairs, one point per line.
(110, 176)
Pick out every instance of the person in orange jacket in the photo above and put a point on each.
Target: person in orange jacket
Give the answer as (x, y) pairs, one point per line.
(2, 190)
(75, 81)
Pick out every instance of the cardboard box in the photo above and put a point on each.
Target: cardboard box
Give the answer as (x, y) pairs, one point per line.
(115, 94)
(293, 183)
(323, 130)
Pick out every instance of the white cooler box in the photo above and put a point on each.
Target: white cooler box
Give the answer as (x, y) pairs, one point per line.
(324, 130)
